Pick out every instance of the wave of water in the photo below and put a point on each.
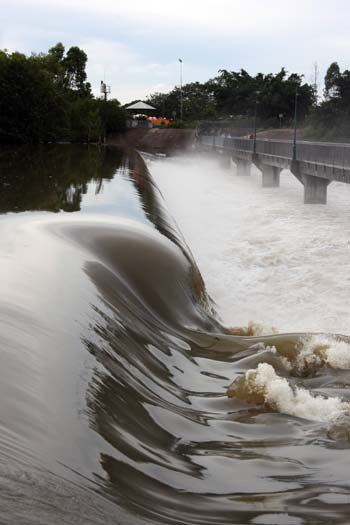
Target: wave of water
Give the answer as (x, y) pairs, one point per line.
(115, 370)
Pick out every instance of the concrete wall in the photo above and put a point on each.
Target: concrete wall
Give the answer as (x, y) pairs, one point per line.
(155, 140)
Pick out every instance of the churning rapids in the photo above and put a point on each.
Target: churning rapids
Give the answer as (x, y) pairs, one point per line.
(124, 398)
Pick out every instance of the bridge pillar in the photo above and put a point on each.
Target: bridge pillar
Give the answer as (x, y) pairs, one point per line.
(270, 176)
(315, 189)
(243, 167)
(225, 161)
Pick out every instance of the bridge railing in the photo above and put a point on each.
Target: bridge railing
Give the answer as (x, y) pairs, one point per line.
(322, 153)
(276, 148)
(207, 140)
(331, 154)
(239, 143)
(216, 141)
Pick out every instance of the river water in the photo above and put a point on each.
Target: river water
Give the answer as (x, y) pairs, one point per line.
(126, 396)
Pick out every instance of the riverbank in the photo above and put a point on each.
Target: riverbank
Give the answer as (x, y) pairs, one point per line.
(154, 140)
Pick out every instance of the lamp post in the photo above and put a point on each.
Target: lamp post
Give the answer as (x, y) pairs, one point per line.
(295, 126)
(255, 115)
(280, 116)
(181, 106)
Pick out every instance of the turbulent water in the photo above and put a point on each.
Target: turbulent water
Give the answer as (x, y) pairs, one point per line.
(265, 256)
(124, 399)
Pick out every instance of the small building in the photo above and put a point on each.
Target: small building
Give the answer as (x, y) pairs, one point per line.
(139, 114)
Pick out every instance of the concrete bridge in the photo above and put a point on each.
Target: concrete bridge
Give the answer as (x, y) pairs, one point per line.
(314, 164)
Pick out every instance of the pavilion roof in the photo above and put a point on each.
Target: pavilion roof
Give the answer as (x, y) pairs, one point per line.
(140, 106)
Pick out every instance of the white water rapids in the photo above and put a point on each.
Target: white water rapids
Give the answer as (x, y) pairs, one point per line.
(270, 261)
(265, 256)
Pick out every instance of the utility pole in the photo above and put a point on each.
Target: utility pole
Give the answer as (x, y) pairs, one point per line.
(181, 105)
(295, 125)
(316, 72)
(105, 90)
(255, 117)
(280, 116)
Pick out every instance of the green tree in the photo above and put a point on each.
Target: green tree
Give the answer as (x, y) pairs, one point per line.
(46, 98)
(113, 117)
(31, 109)
(331, 119)
(85, 121)
(235, 93)
(332, 81)
(198, 102)
(74, 65)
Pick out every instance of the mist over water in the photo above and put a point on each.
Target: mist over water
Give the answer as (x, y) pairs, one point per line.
(266, 257)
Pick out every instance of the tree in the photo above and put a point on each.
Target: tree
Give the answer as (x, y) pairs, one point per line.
(74, 65)
(57, 52)
(236, 93)
(113, 117)
(332, 81)
(197, 98)
(45, 98)
(31, 109)
(330, 120)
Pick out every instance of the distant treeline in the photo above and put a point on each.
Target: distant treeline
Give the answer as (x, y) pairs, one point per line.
(238, 96)
(45, 98)
(233, 93)
(330, 119)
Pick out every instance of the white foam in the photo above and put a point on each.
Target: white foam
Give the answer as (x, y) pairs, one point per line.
(319, 350)
(298, 402)
(264, 255)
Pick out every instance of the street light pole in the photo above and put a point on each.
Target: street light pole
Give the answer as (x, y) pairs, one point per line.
(181, 106)
(280, 116)
(295, 126)
(255, 115)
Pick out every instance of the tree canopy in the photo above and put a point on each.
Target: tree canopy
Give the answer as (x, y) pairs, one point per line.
(330, 120)
(46, 98)
(236, 93)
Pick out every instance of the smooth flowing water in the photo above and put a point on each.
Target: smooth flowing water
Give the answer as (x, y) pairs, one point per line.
(124, 399)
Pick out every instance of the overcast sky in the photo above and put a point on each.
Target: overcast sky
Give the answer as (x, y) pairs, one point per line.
(135, 44)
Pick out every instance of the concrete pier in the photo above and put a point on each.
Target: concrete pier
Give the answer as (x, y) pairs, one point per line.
(314, 164)
(243, 166)
(270, 176)
(315, 189)
(225, 161)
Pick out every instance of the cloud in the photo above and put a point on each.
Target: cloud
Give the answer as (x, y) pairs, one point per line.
(129, 73)
(135, 44)
(19, 37)
(157, 15)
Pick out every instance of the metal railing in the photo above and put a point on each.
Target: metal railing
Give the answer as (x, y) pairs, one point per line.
(331, 154)
(324, 153)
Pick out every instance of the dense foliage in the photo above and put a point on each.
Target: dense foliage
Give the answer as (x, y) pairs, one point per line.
(330, 120)
(237, 94)
(46, 98)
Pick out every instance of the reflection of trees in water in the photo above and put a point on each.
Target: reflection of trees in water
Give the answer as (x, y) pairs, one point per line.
(149, 195)
(152, 205)
(52, 177)
(55, 177)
